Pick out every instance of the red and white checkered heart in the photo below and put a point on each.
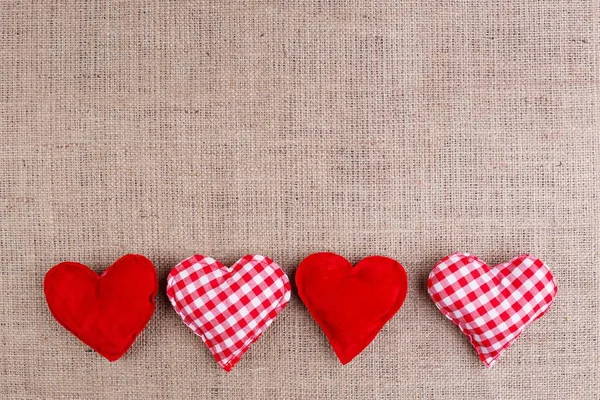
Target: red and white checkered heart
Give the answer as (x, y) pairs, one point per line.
(229, 308)
(492, 306)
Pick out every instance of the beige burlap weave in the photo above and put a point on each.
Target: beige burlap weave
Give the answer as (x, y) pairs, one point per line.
(409, 129)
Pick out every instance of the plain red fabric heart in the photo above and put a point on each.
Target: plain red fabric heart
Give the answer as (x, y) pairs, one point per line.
(351, 305)
(106, 312)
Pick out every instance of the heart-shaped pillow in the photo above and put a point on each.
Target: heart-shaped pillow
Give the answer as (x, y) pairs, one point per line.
(229, 308)
(351, 305)
(106, 312)
(492, 306)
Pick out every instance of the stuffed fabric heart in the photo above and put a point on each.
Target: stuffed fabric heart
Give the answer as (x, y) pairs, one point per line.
(351, 305)
(492, 306)
(106, 312)
(229, 308)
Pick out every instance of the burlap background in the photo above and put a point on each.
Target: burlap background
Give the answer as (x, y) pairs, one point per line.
(404, 128)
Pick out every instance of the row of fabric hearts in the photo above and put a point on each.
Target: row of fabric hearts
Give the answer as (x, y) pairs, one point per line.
(229, 308)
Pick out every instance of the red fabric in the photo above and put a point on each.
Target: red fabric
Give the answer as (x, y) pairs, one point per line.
(351, 305)
(492, 306)
(106, 312)
(229, 308)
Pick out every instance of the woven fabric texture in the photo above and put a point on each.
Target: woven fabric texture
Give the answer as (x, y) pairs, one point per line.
(410, 129)
(228, 307)
(491, 305)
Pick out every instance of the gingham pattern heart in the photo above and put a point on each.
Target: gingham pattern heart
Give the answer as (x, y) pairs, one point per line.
(492, 306)
(229, 308)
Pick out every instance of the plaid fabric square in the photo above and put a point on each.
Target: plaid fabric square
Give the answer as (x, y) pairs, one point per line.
(492, 306)
(229, 308)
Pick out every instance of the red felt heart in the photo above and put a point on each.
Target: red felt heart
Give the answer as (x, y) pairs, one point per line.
(351, 305)
(106, 312)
